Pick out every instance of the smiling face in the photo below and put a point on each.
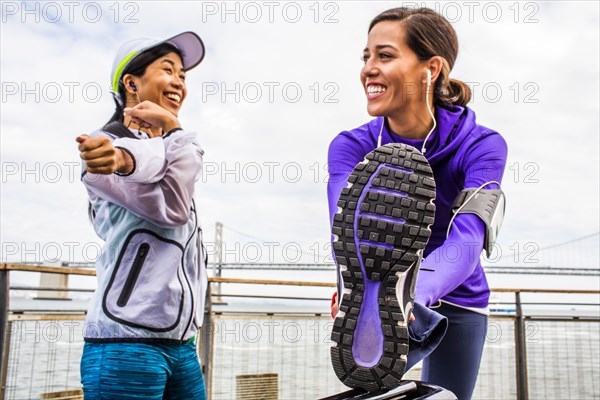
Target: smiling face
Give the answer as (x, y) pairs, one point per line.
(163, 83)
(392, 76)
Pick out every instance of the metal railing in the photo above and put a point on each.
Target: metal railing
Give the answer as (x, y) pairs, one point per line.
(240, 348)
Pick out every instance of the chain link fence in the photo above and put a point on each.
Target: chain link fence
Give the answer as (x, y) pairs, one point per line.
(291, 354)
(43, 356)
(268, 354)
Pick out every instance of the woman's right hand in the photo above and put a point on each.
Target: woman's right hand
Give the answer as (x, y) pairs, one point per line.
(101, 157)
(150, 115)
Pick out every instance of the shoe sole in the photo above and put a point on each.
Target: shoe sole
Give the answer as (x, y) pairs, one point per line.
(386, 214)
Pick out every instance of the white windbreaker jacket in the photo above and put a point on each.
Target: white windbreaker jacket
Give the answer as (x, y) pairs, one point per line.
(151, 274)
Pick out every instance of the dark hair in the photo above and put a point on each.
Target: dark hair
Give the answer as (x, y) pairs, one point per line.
(137, 67)
(429, 34)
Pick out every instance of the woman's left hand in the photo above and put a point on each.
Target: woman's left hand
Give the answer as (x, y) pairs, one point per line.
(150, 115)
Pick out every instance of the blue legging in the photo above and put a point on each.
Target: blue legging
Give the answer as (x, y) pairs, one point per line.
(454, 364)
(141, 371)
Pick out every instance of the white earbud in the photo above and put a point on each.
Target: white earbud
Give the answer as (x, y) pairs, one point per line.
(424, 149)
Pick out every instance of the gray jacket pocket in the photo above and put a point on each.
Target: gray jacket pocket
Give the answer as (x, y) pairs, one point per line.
(145, 289)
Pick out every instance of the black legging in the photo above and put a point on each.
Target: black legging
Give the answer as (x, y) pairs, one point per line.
(454, 364)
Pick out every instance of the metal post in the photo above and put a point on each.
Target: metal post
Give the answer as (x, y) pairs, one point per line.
(3, 326)
(520, 351)
(218, 263)
(4, 362)
(207, 344)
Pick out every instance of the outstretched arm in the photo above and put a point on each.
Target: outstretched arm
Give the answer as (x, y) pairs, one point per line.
(448, 266)
(160, 185)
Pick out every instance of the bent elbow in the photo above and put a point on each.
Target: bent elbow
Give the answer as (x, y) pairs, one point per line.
(178, 216)
(168, 217)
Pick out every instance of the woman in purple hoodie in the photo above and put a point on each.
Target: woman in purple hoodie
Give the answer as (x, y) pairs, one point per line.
(406, 77)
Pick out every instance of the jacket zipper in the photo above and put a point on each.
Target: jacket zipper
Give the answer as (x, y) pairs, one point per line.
(192, 305)
(136, 268)
(199, 272)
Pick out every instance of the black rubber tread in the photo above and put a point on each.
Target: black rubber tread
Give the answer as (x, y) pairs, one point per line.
(416, 208)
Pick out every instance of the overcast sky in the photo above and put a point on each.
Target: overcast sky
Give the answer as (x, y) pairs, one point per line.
(279, 82)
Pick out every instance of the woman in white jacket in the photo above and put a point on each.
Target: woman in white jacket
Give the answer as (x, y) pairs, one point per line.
(139, 171)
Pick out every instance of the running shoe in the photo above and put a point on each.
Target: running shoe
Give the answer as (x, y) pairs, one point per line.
(380, 233)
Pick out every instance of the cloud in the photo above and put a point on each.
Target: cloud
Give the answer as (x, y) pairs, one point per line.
(552, 172)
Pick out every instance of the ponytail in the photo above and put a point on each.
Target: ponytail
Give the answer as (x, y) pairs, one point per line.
(458, 93)
(450, 91)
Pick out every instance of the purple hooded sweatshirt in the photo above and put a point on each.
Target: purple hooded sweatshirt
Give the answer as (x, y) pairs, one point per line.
(462, 155)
